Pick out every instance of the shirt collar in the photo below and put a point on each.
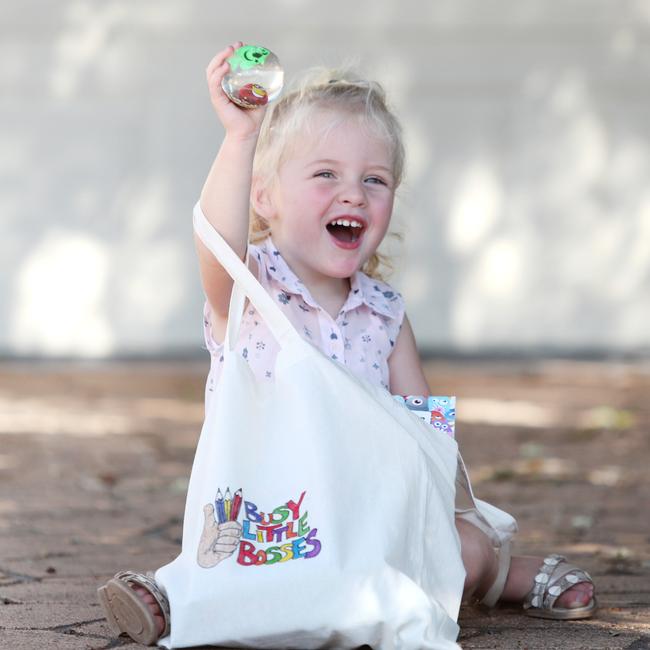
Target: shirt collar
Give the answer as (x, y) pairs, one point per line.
(377, 295)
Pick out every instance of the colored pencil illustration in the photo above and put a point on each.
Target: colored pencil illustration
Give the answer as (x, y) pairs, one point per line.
(219, 508)
(227, 504)
(236, 505)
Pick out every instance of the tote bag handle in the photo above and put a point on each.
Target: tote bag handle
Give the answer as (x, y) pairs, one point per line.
(245, 285)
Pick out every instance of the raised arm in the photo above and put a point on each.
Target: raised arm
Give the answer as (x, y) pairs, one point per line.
(225, 197)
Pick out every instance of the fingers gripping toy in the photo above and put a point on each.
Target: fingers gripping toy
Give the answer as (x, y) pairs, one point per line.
(255, 77)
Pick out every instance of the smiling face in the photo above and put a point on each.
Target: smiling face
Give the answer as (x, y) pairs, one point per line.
(331, 203)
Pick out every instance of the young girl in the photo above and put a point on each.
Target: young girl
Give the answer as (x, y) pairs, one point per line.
(319, 176)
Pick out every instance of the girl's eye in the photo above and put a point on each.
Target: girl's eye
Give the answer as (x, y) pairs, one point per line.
(376, 180)
(324, 174)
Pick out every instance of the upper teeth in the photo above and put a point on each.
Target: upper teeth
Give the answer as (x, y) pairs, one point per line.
(345, 222)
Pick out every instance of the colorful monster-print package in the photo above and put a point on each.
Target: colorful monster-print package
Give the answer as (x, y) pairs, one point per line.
(438, 411)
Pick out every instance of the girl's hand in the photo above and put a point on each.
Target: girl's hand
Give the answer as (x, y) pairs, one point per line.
(237, 121)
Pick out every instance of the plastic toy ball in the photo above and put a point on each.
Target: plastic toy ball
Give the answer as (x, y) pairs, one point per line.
(255, 77)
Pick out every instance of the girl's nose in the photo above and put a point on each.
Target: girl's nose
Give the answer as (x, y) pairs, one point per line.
(352, 194)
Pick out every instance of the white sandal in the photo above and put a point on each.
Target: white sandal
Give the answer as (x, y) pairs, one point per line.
(553, 578)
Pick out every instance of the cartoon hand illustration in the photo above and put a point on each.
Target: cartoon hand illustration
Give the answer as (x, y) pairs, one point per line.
(218, 541)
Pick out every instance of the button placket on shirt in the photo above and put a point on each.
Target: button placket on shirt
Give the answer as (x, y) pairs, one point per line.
(330, 335)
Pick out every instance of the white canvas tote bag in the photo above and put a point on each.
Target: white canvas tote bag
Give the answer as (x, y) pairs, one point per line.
(320, 511)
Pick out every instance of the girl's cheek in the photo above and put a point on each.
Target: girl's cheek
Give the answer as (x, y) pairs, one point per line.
(386, 205)
(320, 191)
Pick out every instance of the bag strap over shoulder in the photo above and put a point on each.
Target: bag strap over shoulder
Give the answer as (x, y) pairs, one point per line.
(246, 285)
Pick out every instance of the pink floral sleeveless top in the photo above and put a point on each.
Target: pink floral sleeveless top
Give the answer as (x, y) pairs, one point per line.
(362, 336)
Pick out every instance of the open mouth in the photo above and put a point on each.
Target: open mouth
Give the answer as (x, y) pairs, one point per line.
(346, 231)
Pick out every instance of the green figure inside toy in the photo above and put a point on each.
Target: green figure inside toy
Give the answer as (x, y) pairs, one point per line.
(248, 56)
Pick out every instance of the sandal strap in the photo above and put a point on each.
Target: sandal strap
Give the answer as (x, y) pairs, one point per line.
(554, 577)
(567, 581)
(494, 592)
(149, 583)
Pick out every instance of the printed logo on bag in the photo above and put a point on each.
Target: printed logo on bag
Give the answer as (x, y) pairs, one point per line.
(261, 539)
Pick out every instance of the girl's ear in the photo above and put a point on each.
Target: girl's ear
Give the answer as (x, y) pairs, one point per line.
(261, 199)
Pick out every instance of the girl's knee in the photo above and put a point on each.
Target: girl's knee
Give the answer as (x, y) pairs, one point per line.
(479, 558)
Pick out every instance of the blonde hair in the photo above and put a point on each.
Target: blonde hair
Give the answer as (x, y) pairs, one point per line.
(339, 91)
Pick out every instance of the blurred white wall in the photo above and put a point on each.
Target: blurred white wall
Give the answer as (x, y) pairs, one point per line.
(526, 206)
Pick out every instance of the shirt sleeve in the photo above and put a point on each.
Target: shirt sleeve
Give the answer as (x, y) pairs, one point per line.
(389, 304)
(214, 347)
(394, 323)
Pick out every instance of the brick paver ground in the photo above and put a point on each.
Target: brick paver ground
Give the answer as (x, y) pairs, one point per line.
(94, 461)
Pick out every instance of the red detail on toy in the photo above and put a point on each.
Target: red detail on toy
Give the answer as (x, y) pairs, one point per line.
(254, 95)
